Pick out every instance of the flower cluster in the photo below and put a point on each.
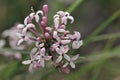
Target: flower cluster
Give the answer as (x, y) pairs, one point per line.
(9, 35)
(51, 43)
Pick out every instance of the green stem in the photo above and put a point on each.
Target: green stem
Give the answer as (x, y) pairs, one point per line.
(102, 27)
(93, 61)
(106, 36)
(74, 5)
(14, 50)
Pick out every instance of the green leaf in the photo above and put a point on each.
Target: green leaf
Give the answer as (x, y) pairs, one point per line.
(102, 27)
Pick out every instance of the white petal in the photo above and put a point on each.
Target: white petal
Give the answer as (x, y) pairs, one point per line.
(64, 20)
(32, 15)
(67, 14)
(19, 35)
(30, 25)
(59, 51)
(37, 18)
(20, 26)
(26, 20)
(65, 65)
(20, 41)
(81, 42)
(55, 34)
(31, 67)
(38, 44)
(33, 51)
(61, 30)
(55, 45)
(56, 22)
(59, 59)
(65, 41)
(72, 64)
(76, 44)
(24, 31)
(42, 51)
(71, 18)
(61, 13)
(56, 15)
(70, 36)
(42, 62)
(26, 38)
(47, 57)
(75, 57)
(39, 12)
(41, 45)
(49, 29)
(77, 35)
(63, 37)
(26, 62)
(66, 57)
(66, 49)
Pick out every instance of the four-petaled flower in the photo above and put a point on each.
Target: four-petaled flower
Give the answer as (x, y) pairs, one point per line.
(62, 52)
(71, 61)
(38, 59)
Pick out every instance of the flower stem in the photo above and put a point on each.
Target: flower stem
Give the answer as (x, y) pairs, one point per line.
(74, 5)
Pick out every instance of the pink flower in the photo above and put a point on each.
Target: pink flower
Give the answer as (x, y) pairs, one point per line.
(52, 43)
(43, 57)
(37, 58)
(77, 42)
(21, 38)
(62, 52)
(71, 61)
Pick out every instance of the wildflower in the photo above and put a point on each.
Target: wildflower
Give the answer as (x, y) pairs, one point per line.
(77, 42)
(52, 43)
(62, 52)
(71, 61)
(38, 59)
(12, 40)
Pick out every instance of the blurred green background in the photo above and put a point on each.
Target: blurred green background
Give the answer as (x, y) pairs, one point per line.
(98, 21)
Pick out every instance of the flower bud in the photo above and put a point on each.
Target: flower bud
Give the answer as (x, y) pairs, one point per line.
(45, 9)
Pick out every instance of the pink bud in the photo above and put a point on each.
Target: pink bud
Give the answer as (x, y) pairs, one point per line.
(27, 20)
(43, 24)
(65, 70)
(45, 9)
(37, 65)
(64, 20)
(62, 27)
(44, 18)
(47, 35)
(39, 38)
